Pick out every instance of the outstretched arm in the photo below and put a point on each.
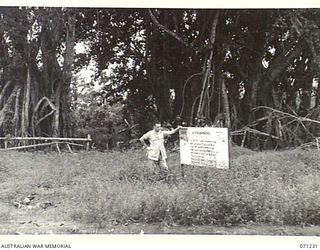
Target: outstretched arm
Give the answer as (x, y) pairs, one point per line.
(173, 131)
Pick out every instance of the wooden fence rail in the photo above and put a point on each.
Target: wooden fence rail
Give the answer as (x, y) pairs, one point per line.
(47, 142)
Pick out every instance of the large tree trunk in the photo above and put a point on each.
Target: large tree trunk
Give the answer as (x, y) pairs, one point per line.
(205, 87)
(56, 116)
(318, 96)
(305, 95)
(158, 75)
(166, 104)
(3, 92)
(225, 104)
(67, 77)
(17, 113)
(8, 106)
(208, 65)
(34, 55)
(25, 122)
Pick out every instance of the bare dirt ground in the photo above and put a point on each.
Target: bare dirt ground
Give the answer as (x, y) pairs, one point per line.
(32, 203)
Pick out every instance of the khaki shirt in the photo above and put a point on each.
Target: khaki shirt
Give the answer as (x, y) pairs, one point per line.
(156, 140)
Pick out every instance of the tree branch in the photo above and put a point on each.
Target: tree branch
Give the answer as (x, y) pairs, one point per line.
(44, 117)
(296, 118)
(171, 33)
(4, 91)
(52, 106)
(184, 89)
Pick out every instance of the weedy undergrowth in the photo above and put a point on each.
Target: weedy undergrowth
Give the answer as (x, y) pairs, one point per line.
(100, 188)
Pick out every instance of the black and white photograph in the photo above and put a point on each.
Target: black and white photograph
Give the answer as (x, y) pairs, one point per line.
(159, 121)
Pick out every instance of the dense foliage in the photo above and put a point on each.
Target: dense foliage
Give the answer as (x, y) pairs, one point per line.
(177, 65)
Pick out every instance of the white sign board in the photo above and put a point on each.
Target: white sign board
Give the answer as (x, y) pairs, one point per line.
(204, 147)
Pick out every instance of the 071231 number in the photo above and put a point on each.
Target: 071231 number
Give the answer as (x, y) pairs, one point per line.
(308, 246)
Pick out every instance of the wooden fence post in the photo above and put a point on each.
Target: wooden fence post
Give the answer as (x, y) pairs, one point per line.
(69, 148)
(88, 143)
(57, 146)
(243, 138)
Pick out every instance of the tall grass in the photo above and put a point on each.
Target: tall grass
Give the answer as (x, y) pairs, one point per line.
(270, 187)
(280, 188)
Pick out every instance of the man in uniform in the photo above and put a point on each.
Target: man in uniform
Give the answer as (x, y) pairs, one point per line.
(156, 151)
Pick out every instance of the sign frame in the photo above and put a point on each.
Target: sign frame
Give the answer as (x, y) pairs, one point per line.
(205, 147)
